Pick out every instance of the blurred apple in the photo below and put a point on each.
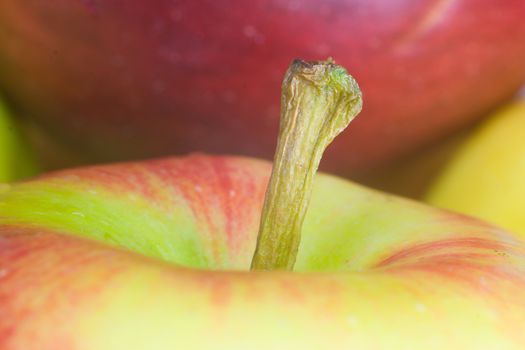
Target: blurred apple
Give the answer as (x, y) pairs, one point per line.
(16, 160)
(129, 79)
(487, 176)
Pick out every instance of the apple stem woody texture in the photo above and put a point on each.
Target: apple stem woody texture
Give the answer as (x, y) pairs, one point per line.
(318, 101)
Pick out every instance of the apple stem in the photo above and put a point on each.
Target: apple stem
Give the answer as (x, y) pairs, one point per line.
(318, 101)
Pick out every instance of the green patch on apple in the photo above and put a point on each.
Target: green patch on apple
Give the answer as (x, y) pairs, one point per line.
(16, 159)
(175, 254)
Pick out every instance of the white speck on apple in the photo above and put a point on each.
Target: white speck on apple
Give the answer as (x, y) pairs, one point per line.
(420, 307)
(483, 281)
(352, 320)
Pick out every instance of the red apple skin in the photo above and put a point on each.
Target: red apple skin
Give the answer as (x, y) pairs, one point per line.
(126, 79)
(373, 271)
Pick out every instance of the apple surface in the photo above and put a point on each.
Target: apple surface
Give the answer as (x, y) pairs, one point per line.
(485, 178)
(16, 158)
(155, 255)
(132, 79)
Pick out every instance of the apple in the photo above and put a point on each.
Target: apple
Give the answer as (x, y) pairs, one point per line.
(132, 79)
(160, 254)
(485, 178)
(16, 158)
(155, 255)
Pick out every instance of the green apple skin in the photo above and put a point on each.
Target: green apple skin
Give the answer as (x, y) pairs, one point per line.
(16, 160)
(485, 178)
(155, 255)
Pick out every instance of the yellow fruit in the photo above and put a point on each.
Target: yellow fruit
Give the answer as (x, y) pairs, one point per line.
(486, 178)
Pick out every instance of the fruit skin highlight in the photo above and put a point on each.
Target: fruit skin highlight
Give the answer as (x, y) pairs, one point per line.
(128, 79)
(16, 158)
(156, 255)
(486, 177)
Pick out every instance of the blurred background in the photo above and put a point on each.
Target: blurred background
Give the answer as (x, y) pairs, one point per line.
(98, 81)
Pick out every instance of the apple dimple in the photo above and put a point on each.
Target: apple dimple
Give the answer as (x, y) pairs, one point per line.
(368, 264)
(182, 211)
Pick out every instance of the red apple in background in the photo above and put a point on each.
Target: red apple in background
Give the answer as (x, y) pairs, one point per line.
(128, 79)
